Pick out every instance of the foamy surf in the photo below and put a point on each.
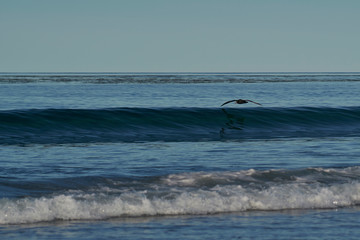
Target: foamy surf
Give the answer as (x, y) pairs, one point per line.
(192, 193)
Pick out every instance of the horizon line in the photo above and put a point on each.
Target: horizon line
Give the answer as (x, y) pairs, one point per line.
(182, 72)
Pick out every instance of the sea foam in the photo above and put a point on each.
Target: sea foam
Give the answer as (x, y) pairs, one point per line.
(202, 193)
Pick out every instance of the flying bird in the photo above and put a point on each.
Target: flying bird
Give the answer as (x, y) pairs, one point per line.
(240, 101)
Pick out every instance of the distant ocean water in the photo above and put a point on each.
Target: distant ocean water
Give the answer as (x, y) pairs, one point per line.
(153, 155)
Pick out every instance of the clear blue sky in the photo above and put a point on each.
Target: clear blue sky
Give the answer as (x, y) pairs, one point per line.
(179, 35)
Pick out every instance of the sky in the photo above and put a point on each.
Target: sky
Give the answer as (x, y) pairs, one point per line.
(179, 36)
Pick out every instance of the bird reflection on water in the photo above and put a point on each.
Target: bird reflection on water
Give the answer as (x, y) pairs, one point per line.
(234, 122)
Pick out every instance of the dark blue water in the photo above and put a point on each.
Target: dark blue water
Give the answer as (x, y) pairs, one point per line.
(175, 124)
(155, 156)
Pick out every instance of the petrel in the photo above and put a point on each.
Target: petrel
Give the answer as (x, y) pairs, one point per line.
(240, 101)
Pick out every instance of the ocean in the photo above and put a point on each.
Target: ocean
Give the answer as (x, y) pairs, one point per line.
(156, 156)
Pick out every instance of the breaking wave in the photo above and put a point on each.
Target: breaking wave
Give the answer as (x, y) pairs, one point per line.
(180, 194)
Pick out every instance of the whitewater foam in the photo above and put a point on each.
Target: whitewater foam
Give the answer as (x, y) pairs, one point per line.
(193, 193)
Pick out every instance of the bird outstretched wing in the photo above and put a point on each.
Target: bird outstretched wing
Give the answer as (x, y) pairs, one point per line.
(253, 102)
(228, 102)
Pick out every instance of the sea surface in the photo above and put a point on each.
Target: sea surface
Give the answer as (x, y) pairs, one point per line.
(155, 156)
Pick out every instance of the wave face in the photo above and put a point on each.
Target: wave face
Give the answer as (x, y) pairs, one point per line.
(180, 194)
(174, 124)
